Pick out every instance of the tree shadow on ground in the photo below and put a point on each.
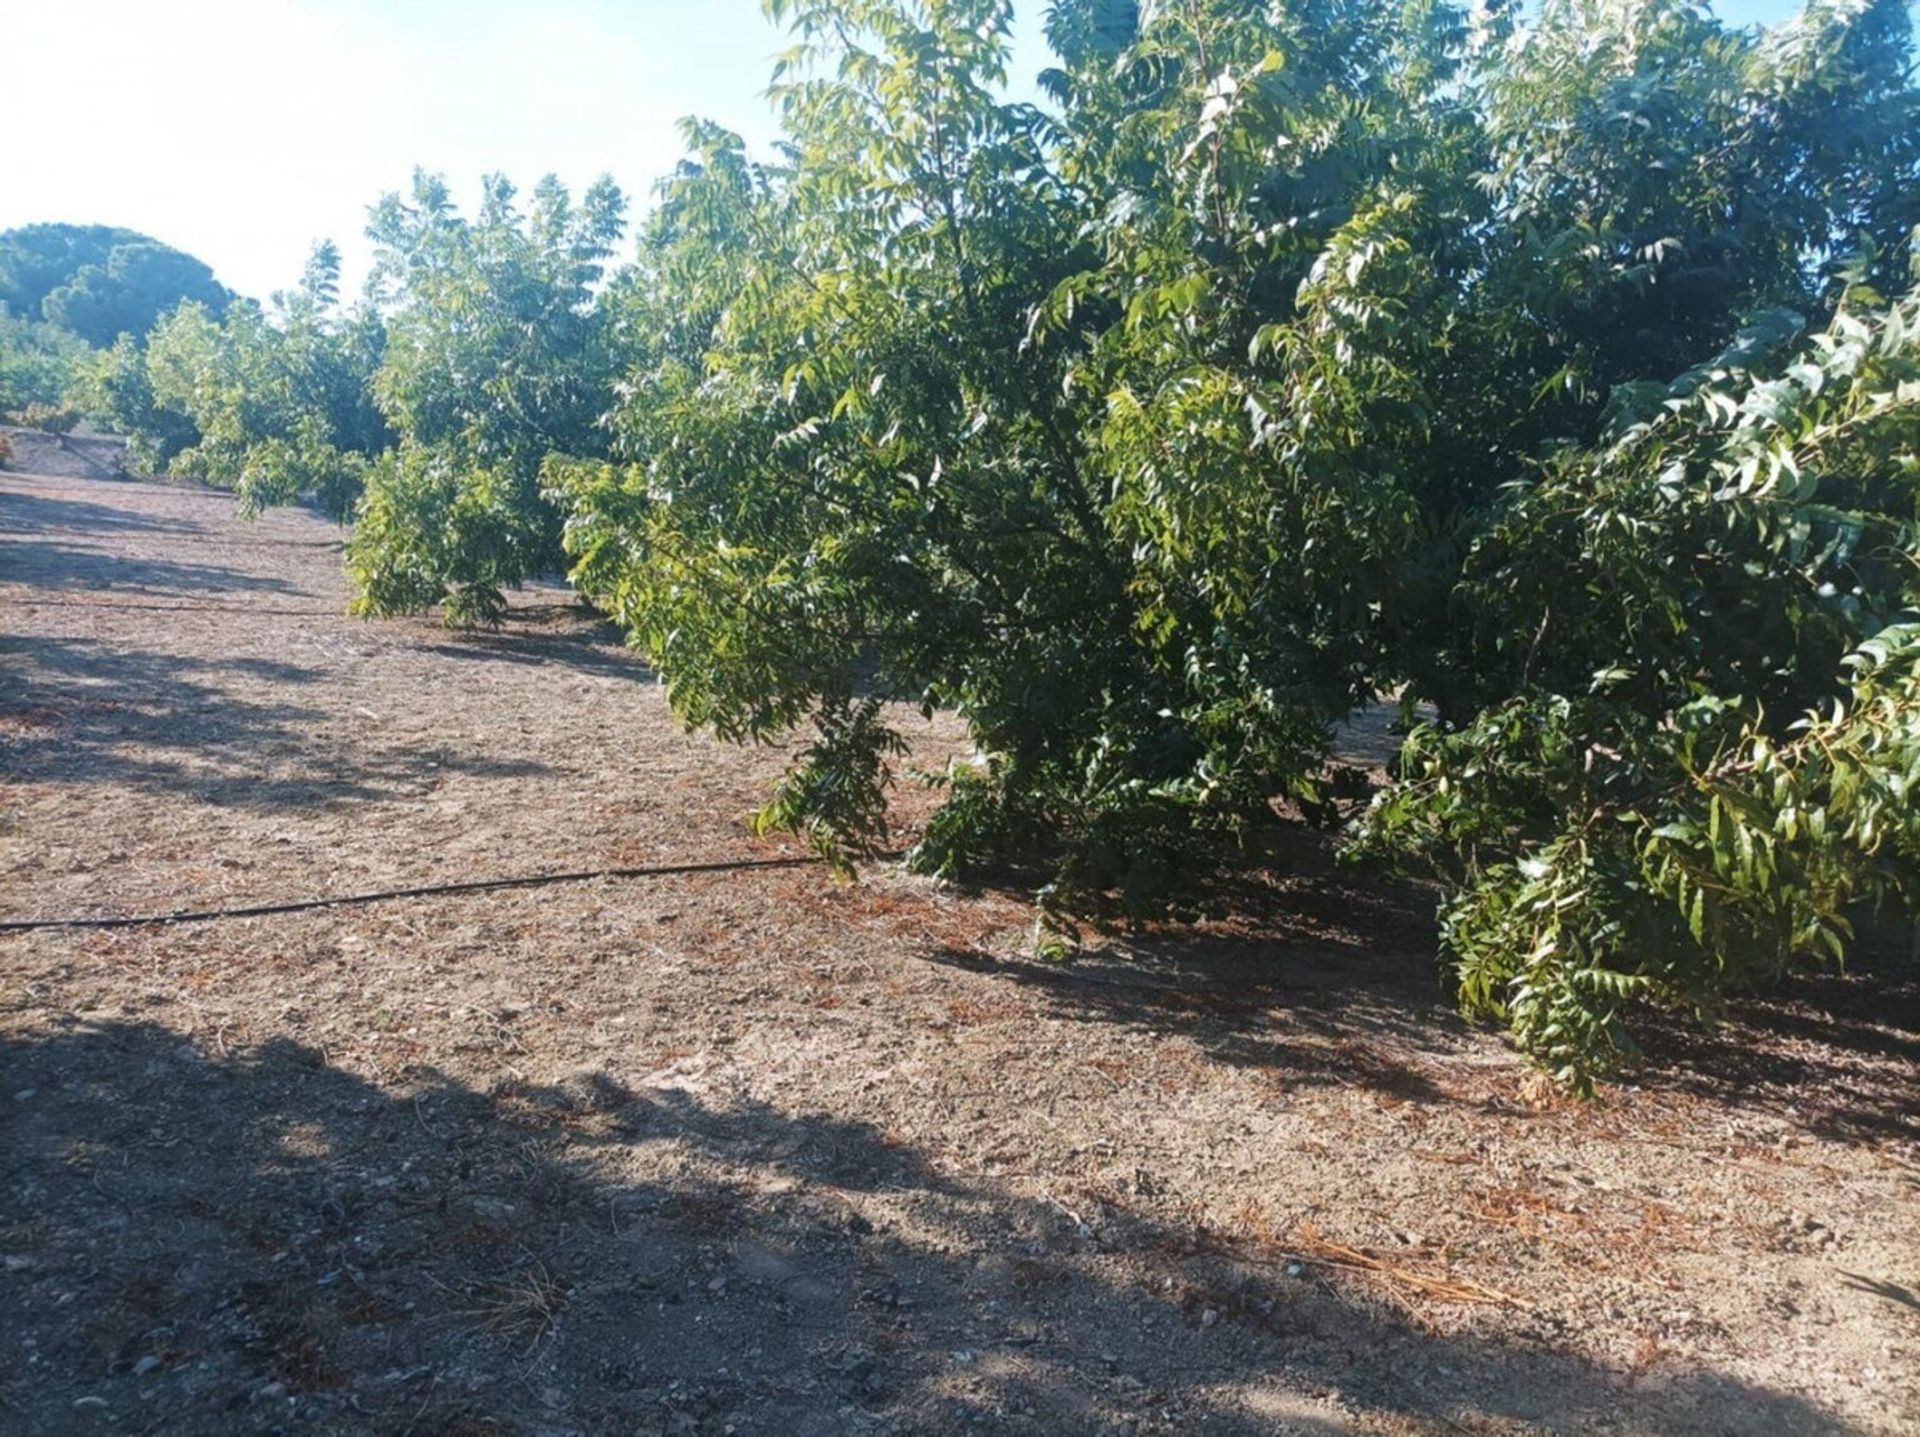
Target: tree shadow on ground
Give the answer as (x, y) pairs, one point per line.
(1328, 976)
(42, 454)
(79, 711)
(1887, 1291)
(1834, 1052)
(1315, 973)
(592, 646)
(57, 568)
(41, 514)
(1312, 1016)
(247, 1239)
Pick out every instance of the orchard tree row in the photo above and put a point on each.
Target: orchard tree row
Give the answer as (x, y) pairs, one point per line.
(1557, 369)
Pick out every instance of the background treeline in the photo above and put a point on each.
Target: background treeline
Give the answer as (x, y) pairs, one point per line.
(68, 289)
(1556, 369)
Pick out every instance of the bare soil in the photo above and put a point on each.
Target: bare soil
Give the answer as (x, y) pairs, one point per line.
(751, 1152)
(80, 455)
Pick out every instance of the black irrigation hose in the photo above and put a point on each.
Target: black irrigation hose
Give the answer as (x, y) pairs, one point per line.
(338, 611)
(104, 541)
(115, 605)
(478, 885)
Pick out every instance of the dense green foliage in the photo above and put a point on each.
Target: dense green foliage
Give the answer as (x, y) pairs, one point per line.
(498, 356)
(99, 282)
(276, 405)
(38, 364)
(1540, 367)
(484, 347)
(137, 284)
(1275, 369)
(115, 390)
(65, 289)
(1715, 794)
(35, 260)
(280, 405)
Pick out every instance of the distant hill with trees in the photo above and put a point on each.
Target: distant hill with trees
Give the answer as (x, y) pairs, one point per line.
(99, 281)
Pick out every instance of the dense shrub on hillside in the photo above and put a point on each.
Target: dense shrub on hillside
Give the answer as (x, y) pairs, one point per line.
(35, 260)
(126, 295)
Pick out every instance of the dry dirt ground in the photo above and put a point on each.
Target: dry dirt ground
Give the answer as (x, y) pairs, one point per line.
(79, 455)
(749, 1152)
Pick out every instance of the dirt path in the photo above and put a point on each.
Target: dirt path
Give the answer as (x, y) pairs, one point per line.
(752, 1153)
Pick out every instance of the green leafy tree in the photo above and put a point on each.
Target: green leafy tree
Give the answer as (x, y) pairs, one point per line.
(1652, 180)
(114, 389)
(1155, 434)
(1696, 653)
(129, 291)
(39, 364)
(37, 259)
(848, 471)
(498, 356)
(1296, 354)
(279, 403)
(439, 525)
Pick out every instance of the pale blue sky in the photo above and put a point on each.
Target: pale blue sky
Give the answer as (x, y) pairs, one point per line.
(243, 130)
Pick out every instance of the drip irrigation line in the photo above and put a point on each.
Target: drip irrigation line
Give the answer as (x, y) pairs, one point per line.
(118, 606)
(336, 612)
(105, 540)
(430, 890)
